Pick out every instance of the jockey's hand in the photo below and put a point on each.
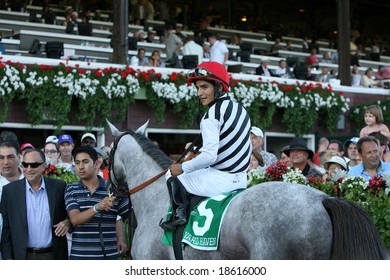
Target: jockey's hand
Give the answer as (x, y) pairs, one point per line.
(175, 169)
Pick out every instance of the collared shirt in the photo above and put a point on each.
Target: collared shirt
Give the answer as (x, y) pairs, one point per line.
(360, 170)
(218, 51)
(38, 217)
(4, 181)
(86, 242)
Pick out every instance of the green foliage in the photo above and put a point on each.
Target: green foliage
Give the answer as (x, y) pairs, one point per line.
(60, 173)
(187, 111)
(299, 120)
(45, 102)
(158, 105)
(5, 100)
(10, 85)
(52, 93)
(261, 113)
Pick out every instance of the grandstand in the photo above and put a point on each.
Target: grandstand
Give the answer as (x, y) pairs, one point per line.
(284, 22)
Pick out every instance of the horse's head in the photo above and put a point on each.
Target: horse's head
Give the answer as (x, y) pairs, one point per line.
(117, 183)
(132, 156)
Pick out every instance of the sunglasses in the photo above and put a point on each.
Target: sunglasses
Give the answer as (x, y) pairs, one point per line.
(50, 151)
(32, 164)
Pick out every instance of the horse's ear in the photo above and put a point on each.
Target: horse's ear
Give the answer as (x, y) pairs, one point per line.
(114, 131)
(142, 129)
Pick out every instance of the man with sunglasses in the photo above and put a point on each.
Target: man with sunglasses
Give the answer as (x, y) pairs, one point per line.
(226, 151)
(35, 218)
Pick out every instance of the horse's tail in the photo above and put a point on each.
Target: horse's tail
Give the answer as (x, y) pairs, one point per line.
(355, 236)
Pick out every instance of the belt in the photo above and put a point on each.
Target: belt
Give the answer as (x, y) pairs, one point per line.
(40, 250)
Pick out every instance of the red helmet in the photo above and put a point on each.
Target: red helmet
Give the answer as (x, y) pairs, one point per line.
(211, 70)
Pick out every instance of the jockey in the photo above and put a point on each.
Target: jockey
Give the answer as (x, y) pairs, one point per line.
(225, 127)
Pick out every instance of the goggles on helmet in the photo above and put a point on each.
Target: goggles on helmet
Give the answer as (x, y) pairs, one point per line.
(203, 73)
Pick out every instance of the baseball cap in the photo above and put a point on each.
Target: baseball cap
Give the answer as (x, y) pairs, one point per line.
(65, 138)
(353, 140)
(90, 135)
(52, 138)
(257, 131)
(26, 146)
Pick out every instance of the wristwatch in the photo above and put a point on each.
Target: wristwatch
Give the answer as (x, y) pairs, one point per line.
(95, 209)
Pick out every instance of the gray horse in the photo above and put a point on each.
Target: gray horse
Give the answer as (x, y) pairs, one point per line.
(274, 220)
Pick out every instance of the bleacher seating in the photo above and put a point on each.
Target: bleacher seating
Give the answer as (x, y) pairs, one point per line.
(255, 46)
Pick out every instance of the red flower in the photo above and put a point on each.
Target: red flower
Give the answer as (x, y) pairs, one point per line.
(376, 184)
(173, 77)
(276, 170)
(50, 170)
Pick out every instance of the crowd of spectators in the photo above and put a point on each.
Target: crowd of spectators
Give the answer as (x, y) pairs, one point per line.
(25, 169)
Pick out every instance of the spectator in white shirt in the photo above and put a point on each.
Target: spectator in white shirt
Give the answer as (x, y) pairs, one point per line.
(283, 70)
(218, 51)
(192, 48)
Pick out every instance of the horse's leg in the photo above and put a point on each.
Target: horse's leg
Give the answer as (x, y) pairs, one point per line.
(149, 246)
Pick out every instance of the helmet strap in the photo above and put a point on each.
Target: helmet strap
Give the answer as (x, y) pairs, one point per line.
(199, 116)
(217, 93)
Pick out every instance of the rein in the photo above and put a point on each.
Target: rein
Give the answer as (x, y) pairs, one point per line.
(159, 175)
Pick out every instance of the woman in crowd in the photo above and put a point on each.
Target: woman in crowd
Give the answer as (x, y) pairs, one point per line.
(51, 153)
(332, 165)
(155, 59)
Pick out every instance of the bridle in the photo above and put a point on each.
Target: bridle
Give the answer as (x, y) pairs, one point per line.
(123, 184)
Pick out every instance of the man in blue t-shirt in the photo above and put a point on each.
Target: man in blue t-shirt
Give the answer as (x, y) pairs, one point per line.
(92, 211)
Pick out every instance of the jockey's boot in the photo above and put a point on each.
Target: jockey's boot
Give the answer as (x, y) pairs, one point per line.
(179, 202)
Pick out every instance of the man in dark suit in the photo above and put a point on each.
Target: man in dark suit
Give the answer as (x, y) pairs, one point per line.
(35, 218)
(263, 70)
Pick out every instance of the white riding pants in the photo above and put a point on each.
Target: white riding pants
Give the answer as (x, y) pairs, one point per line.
(210, 182)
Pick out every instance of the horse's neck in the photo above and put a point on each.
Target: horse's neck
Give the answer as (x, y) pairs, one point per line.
(151, 199)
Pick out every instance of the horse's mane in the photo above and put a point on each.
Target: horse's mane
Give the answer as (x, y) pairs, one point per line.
(151, 149)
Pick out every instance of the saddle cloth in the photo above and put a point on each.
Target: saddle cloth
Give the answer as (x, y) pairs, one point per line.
(204, 225)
